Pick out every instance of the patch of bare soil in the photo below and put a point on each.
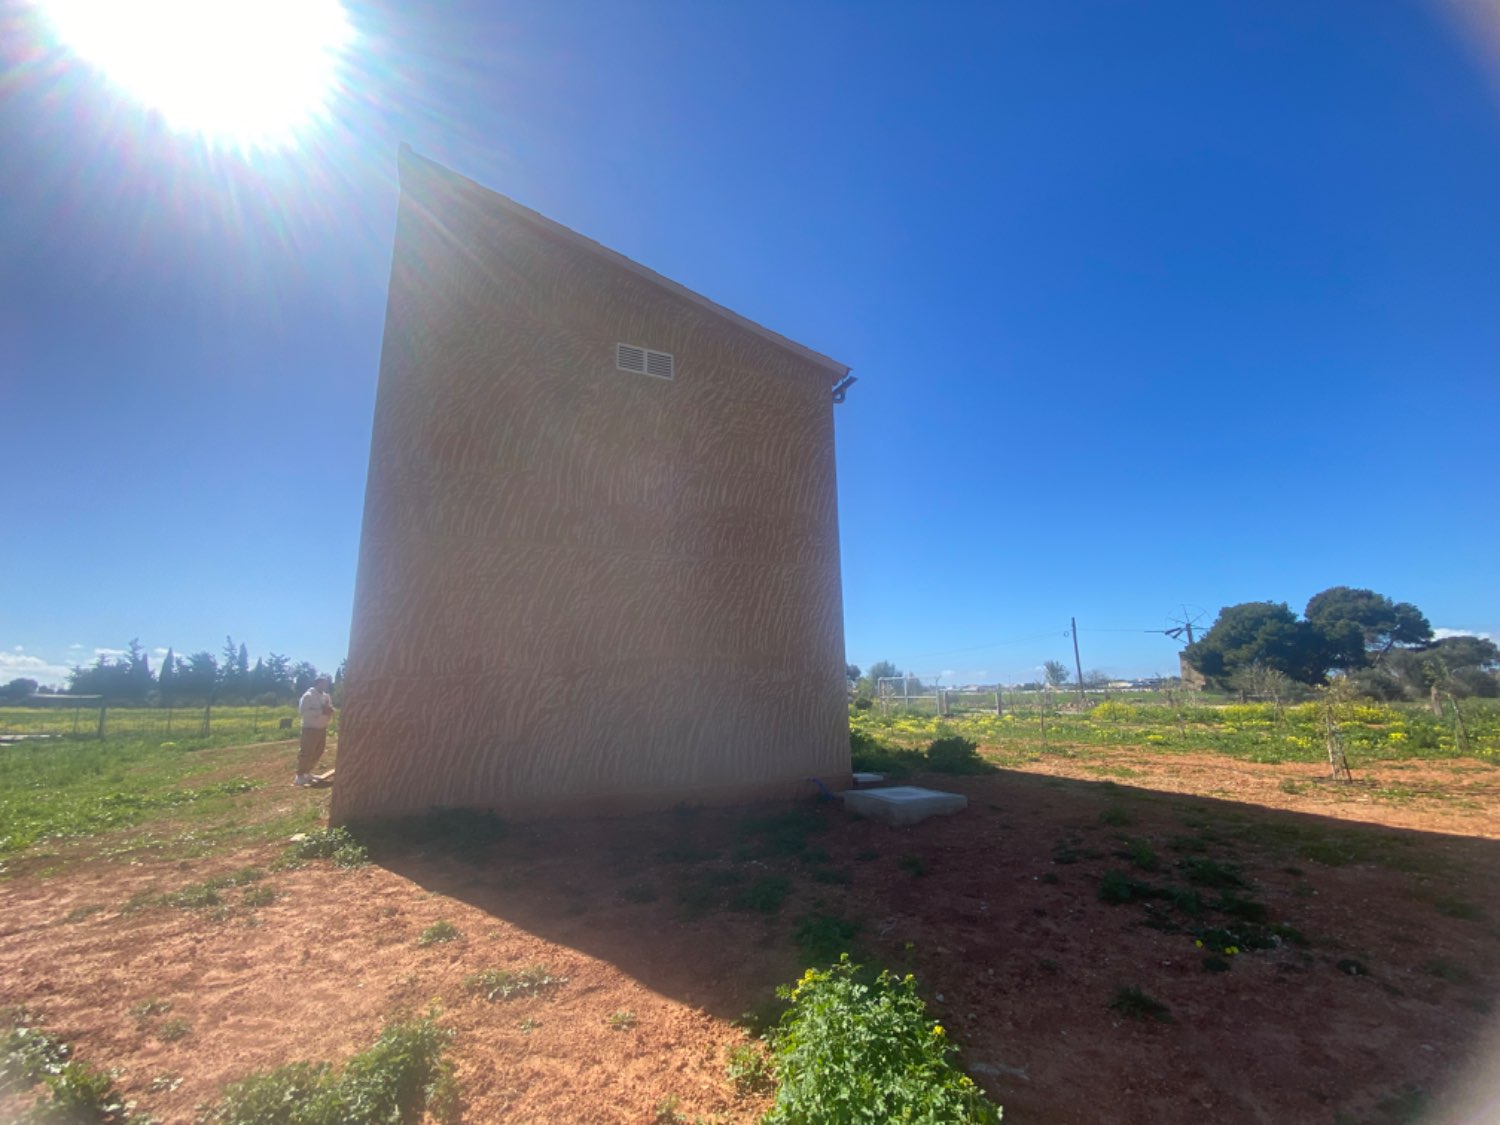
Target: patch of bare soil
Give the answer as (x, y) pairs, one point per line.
(687, 920)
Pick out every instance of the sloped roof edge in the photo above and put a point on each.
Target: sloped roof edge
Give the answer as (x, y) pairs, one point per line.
(413, 167)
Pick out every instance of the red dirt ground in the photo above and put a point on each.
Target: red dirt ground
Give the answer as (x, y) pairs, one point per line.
(1004, 929)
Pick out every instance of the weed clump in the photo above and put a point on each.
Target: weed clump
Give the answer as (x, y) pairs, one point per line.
(440, 933)
(27, 1053)
(399, 1079)
(1117, 888)
(848, 1051)
(337, 844)
(1209, 873)
(503, 984)
(750, 1070)
(76, 1091)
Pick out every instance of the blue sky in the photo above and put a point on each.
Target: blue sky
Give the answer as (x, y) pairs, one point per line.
(1151, 305)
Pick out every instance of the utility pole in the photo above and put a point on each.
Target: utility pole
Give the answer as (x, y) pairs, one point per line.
(1077, 664)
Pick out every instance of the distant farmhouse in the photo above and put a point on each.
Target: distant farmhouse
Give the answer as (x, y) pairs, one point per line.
(599, 565)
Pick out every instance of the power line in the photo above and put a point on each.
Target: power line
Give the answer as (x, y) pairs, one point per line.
(992, 644)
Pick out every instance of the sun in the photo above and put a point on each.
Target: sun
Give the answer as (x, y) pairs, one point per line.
(244, 73)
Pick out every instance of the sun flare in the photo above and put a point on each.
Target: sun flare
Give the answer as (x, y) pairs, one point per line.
(246, 73)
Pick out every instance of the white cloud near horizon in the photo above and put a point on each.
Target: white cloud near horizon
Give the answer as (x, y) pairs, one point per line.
(1444, 634)
(17, 666)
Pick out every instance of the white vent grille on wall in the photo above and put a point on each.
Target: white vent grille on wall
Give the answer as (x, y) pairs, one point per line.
(643, 361)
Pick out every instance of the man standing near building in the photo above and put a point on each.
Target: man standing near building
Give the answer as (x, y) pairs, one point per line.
(316, 709)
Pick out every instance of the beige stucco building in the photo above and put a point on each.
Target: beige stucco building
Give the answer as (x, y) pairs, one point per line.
(599, 564)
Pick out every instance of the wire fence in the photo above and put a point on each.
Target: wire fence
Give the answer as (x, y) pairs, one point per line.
(75, 718)
(897, 694)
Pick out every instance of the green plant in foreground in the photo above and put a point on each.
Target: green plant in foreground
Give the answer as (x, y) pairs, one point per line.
(622, 1019)
(337, 844)
(503, 984)
(27, 1053)
(749, 1069)
(849, 1052)
(79, 1094)
(76, 1092)
(440, 932)
(399, 1079)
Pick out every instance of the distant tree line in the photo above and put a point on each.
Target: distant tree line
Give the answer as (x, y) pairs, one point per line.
(200, 677)
(1385, 649)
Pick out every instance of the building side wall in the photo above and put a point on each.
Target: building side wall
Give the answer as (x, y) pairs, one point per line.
(580, 587)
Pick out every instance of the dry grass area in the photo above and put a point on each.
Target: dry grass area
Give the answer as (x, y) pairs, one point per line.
(1269, 947)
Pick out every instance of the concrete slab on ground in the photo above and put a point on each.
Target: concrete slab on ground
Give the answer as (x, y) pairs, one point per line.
(902, 804)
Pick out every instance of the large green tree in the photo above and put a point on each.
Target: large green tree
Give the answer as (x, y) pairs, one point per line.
(1264, 632)
(1361, 626)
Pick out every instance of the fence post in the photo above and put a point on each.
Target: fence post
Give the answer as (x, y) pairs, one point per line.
(208, 710)
(102, 709)
(998, 712)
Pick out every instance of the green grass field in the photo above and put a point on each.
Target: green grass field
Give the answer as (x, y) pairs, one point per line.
(146, 767)
(64, 787)
(1257, 732)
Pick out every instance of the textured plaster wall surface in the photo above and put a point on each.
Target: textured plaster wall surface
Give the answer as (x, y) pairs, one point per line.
(580, 588)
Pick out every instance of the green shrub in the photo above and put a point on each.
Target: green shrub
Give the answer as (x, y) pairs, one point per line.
(398, 1079)
(956, 754)
(852, 1052)
(869, 755)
